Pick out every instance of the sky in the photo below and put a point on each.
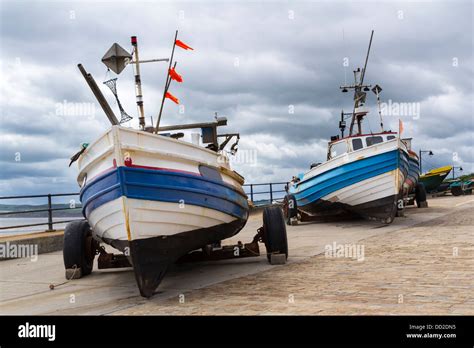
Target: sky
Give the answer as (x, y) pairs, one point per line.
(273, 68)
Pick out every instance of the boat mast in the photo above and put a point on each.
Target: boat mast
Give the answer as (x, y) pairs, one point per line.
(138, 84)
(359, 92)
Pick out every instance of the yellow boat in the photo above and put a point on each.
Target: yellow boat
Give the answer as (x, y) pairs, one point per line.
(433, 178)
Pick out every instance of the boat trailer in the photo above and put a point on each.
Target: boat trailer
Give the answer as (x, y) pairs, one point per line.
(272, 234)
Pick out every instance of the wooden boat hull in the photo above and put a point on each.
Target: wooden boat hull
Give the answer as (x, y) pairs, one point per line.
(158, 199)
(413, 175)
(433, 179)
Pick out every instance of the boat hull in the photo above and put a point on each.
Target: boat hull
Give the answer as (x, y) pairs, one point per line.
(159, 199)
(413, 175)
(433, 179)
(367, 183)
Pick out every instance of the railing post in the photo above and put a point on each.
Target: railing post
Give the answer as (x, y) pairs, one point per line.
(271, 194)
(50, 215)
(251, 192)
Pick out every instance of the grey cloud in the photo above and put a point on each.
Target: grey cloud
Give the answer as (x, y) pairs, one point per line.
(282, 62)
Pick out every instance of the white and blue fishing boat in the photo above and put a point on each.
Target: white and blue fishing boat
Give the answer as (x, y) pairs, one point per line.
(365, 174)
(156, 197)
(149, 193)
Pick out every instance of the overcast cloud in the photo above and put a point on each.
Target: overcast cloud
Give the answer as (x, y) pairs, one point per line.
(253, 62)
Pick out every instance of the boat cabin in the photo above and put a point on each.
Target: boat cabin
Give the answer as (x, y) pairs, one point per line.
(341, 146)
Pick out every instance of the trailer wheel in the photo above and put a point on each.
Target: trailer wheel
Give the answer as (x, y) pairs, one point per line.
(78, 250)
(420, 195)
(290, 209)
(274, 228)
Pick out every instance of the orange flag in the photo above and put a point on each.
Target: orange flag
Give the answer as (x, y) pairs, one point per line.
(172, 97)
(183, 45)
(174, 75)
(400, 128)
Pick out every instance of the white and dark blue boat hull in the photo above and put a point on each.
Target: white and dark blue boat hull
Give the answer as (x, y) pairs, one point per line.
(367, 182)
(156, 202)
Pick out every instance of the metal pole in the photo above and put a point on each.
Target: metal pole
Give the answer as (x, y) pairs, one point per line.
(166, 83)
(50, 214)
(251, 192)
(271, 194)
(151, 60)
(357, 88)
(98, 95)
(138, 84)
(366, 58)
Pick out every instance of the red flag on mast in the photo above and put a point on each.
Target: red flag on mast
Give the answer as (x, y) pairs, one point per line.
(174, 75)
(183, 45)
(172, 97)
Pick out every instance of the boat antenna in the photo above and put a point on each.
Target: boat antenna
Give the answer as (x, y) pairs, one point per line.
(342, 124)
(167, 83)
(366, 58)
(359, 95)
(377, 89)
(138, 84)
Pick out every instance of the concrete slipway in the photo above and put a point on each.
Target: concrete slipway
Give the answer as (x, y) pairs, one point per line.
(394, 257)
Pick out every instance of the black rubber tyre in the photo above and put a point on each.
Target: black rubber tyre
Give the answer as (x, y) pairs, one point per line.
(456, 191)
(290, 208)
(76, 252)
(420, 194)
(274, 231)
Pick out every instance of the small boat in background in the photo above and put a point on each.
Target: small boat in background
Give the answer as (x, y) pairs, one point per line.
(433, 178)
(461, 187)
(368, 175)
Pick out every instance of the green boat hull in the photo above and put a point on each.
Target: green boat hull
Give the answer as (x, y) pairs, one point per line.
(432, 182)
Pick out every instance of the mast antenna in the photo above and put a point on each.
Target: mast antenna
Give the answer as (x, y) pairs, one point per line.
(138, 84)
(359, 92)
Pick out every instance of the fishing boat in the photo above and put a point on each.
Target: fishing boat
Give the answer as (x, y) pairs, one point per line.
(461, 187)
(154, 196)
(433, 178)
(365, 174)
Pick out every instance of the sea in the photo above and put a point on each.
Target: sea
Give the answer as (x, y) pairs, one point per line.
(13, 221)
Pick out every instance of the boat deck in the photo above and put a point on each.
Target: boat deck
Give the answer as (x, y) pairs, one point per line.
(420, 264)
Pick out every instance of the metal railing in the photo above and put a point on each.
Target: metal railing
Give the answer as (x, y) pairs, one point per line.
(49, 209)
(276, 190)
(271, 195)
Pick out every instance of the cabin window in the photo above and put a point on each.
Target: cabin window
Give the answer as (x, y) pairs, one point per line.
(357, 144)
(373, 140)
(338, 149)
(390, 137)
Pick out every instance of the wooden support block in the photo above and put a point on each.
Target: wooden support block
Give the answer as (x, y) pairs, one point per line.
(423, 204)
(277, 259)
(73, 273)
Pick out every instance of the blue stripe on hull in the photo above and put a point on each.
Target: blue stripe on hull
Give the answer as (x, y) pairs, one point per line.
(413, 170)
(164, 186)
(348, 174)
